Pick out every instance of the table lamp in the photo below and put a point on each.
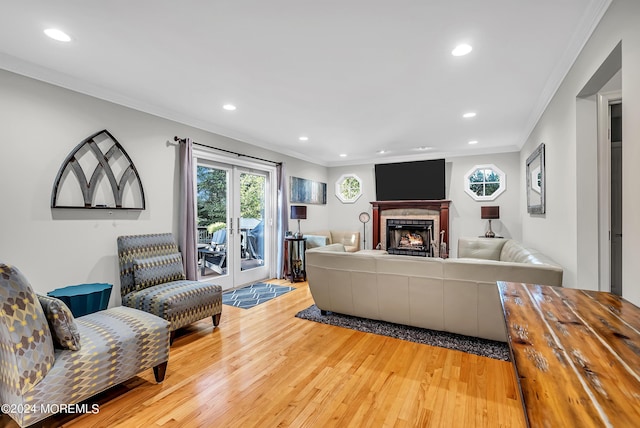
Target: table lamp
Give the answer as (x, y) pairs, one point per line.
(298, 212)
(490, 213)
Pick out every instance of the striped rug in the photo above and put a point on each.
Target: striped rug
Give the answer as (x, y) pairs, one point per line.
(254, 294)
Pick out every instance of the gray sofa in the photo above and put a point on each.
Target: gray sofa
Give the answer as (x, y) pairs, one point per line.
(454, 295)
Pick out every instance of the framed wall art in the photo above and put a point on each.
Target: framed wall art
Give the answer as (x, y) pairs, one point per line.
(305, 191)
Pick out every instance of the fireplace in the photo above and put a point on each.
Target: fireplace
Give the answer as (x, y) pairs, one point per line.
(410, 237)
(435, 210)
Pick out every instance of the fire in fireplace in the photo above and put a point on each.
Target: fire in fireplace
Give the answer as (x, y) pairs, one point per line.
(410, 237)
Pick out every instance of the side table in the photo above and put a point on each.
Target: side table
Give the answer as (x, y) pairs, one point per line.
(296, 266)
(84, 299)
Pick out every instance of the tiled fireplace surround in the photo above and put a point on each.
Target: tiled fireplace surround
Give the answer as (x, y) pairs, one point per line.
(436, 210)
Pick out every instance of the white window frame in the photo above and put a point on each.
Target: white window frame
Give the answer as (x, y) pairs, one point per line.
(502, 185)
(341, 196)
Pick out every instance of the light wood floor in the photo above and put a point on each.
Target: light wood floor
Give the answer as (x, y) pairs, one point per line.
(265, 368)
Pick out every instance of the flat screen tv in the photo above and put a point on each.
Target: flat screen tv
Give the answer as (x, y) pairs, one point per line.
(410, 180)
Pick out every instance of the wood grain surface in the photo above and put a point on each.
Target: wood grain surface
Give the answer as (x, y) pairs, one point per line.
(576, 354)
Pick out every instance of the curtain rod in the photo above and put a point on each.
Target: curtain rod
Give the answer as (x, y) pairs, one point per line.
(178, 139)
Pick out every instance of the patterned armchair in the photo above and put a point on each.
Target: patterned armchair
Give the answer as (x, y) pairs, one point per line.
(152, 279)
(49, 359)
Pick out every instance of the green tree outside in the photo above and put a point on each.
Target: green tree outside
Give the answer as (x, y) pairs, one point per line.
(252, 196)
(212, 196)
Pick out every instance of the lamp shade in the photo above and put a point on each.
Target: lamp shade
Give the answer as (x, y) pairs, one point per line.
(489, 213)
(298, 212)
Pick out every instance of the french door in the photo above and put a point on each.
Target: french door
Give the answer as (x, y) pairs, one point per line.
(235, 221)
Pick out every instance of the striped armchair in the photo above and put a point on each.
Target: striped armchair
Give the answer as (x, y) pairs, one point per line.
(49, 359)
(152, 279)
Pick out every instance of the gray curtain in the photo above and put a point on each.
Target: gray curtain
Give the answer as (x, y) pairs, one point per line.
(282, 220)
(188, 239)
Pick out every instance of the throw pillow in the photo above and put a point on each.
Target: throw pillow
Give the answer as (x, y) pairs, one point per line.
(27, 348)
(156, 270)
(61, 323)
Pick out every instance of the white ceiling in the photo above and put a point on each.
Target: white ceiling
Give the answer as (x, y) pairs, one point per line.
(355, 76)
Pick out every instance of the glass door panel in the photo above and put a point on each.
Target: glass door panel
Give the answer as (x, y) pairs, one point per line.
(213, 222)
(252, 199)
(233, 225)
(252, 187)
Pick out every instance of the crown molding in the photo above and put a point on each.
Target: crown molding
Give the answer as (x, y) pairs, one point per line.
(588, 24)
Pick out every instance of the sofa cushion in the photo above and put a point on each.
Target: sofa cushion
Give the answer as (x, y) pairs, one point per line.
(315, 241)
(515, 252)
(331, 247)
(25, 339)
(156, 270)
(179, 302)
(350, 240)
(480, 248)
(61, 323)
(325, 233)
(138, 247)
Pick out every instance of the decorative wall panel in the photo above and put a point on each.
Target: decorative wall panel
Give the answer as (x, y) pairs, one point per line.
(98, 173)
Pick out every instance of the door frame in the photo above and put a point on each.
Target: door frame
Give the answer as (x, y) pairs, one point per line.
(604, 186)
(247, 276)
(270, 213)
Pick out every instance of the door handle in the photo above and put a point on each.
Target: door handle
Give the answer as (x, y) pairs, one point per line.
(239, 225)
(618, 235)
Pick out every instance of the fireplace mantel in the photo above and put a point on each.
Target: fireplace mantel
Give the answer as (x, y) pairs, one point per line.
(440, 205)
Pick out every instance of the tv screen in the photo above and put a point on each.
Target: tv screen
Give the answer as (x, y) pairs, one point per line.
(410, 180)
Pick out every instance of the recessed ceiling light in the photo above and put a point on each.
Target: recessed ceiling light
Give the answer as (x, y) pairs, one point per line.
(303, 138)
(461, 50)
(343, 155)
(381, 152)
(469, 115)
(58, 35)
(229, 107)
(424, 148)
(473, 142)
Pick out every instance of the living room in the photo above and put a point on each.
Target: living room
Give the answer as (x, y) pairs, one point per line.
(145, 137)
(43, 121)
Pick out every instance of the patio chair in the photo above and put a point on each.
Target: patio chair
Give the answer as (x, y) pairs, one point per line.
(214, 256)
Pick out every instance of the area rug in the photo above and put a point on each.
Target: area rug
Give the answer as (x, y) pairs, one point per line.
(471, 345)
(254, 294)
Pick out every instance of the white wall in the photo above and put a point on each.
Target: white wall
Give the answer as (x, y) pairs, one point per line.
(556, 232)
(586, 184)
(345, 216)
(464, 214)
(465, 211)
(41, 124)
(317, 214)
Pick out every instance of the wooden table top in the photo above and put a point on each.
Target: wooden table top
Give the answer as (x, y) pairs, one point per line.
(576, 354)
